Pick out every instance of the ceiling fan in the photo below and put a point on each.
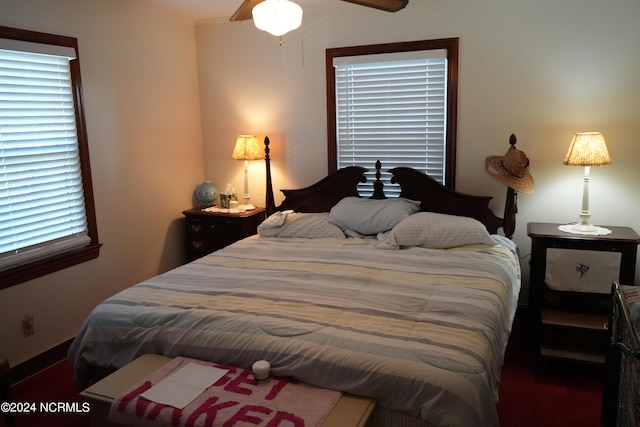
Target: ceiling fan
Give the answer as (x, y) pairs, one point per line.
(244, 11)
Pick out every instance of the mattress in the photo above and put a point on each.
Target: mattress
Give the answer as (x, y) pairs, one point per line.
(421, 331)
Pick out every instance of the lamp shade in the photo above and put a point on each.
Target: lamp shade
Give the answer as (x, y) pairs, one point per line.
(277, 17)
(587, 149)
(247, 148)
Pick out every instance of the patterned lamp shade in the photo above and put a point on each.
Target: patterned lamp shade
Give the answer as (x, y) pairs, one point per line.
(247, 148)
(587, 149)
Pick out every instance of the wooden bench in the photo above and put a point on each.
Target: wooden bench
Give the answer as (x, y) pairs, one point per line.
(349, 411)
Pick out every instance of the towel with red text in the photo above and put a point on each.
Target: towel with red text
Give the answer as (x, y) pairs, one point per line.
(234, 400)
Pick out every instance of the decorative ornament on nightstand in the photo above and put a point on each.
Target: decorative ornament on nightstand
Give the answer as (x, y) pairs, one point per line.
(206, 193)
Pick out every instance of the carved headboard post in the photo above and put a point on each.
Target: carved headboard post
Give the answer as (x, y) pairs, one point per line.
(510, 211)
(270, 204)
(378, 186)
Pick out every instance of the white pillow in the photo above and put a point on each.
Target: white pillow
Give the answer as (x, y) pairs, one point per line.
(371, 216)
(275, 220)
(306, 225)
(437, 231)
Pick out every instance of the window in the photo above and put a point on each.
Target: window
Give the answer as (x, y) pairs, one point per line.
(47, 214)
(395, 103)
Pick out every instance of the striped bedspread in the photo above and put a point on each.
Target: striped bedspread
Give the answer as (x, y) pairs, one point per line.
(421, 331)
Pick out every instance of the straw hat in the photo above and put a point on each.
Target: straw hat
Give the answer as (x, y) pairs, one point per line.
(512, 169)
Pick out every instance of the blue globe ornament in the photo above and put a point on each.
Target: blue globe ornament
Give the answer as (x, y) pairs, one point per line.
(206, 193)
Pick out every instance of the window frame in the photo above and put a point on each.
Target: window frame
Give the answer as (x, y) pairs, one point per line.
(30, 270)
(448, 44)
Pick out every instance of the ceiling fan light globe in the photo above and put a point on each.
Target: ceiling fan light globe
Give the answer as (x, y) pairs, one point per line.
(277, 17)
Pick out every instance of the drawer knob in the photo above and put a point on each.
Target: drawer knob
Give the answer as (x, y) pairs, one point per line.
(196, 244)
(196, 228)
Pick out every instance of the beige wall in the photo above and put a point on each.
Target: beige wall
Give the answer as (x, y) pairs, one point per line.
(542, 70)
(139, 72)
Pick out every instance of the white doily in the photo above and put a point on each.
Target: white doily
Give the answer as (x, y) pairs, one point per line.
(599, 231)
(222, 210)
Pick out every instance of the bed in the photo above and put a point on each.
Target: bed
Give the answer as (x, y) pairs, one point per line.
(407, 300)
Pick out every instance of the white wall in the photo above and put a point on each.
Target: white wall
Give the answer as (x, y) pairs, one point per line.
(542, 70)
(139, 72)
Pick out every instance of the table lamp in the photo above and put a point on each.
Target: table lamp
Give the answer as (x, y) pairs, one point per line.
(587, 149)
(247, 148)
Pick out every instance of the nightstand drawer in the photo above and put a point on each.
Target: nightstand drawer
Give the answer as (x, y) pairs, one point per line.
(209, 227)
(197, 248)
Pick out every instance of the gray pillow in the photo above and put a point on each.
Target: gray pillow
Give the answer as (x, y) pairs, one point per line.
(369, 216)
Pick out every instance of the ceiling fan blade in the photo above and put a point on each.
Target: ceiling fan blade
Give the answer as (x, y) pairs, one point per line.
(386, 5)
(244, 11)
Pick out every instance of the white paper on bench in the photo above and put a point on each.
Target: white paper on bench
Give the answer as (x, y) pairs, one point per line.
(184, 385)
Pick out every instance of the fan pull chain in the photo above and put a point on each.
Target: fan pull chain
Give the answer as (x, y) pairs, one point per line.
(302, 44)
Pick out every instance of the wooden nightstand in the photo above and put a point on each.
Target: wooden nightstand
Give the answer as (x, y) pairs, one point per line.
(570, 285)
(210, 231)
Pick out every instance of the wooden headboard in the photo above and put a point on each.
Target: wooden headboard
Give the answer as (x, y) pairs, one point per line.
(414, 185)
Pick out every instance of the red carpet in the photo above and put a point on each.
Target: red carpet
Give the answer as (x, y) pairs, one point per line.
(551, 394)
(531, 395)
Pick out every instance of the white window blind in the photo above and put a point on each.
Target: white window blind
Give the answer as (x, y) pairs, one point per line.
(42, 208)
(393, 111)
